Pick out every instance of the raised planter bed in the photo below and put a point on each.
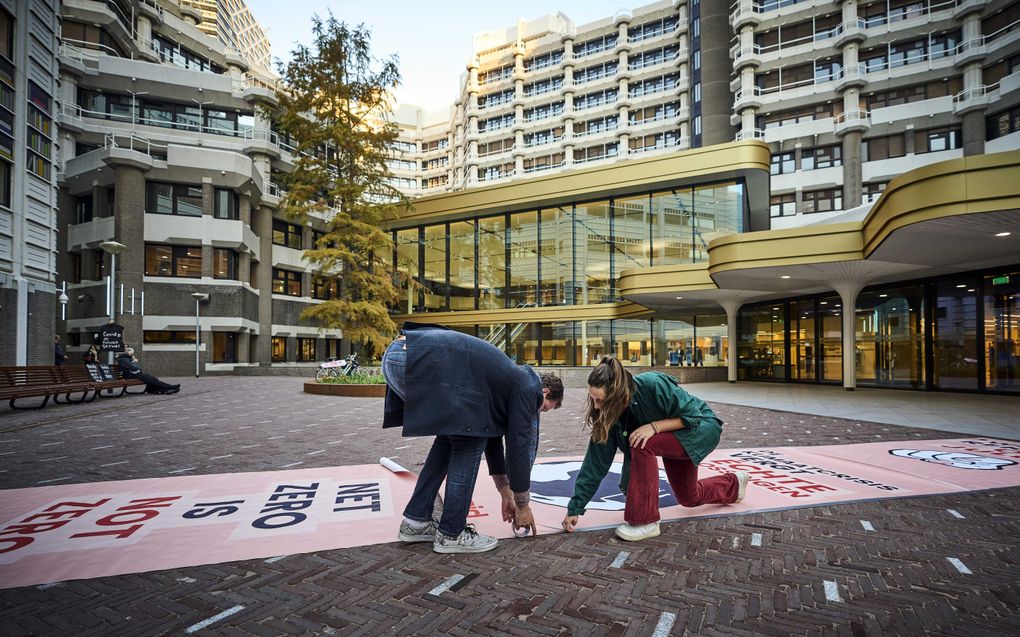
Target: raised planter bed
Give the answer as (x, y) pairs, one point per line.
(353, 391)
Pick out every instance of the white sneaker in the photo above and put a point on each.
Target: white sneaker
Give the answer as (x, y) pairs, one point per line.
(423, 533)
(636, 533)
(742, 478)
(469, 541)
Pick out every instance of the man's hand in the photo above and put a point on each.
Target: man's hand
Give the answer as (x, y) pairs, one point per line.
(641, 435)
(525, 519)
(569, 522)
(507, 505)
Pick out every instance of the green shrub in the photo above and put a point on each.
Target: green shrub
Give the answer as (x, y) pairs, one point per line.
(357, 378)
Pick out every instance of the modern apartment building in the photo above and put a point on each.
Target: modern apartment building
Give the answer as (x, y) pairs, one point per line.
(232, 23)
(29, 168)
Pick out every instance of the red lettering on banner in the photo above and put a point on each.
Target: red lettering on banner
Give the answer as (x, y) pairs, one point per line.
(122, 533)
(26, 530)
(50, 515)
(78, 505)
(475, 511)
(115, 519)
(816, 487)
(15, 543)
(149, 502)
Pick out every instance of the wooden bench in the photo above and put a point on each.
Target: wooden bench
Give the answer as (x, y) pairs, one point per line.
(35, 381)
(81, 374)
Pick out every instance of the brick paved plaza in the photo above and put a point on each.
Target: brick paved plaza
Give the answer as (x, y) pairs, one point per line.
(764, 573)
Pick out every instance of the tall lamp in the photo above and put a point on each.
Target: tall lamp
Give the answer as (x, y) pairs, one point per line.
(199, 298)
(112, 248)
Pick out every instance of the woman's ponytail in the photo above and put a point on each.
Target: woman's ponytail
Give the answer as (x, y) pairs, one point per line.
(618, 384)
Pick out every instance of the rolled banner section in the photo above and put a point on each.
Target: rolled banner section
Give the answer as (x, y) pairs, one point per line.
(392, 466)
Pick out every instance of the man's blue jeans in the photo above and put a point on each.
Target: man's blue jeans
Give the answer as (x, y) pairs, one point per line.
(455, 458)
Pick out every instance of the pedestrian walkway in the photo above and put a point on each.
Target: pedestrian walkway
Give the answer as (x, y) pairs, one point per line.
(986, 415)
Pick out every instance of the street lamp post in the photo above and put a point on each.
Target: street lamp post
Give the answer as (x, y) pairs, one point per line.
(199, 298)
(113, 248)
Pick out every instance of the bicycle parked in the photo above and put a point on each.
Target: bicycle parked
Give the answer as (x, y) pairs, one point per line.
(337, 367)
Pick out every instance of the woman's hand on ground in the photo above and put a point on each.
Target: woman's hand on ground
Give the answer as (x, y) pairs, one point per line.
(640, 436)
(569, 522)
(525, 519)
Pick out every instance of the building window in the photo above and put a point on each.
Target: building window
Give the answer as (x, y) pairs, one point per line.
(782, 164)
(324, 289)
(224, 264)
(225, 204)
(176, 261)
(286, 282)
(83, 209)
(883, 148)
(5, 184)
(173, 199)
(306, 349)
(821, 157)
(822, 200)
(286, 234)
(224, 348)
(6, 35)
(873, 190)
(168, 337)
(279, 347)
(1002, 124)
(782, 205)
(934, 140)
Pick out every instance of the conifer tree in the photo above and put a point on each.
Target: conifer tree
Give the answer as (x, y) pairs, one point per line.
(334, 102)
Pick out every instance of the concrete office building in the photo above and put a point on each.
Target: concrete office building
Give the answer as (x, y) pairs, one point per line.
(232, 23)
(28, 177)
(165, 152)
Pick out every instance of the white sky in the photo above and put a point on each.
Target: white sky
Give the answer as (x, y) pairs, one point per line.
(432, 38)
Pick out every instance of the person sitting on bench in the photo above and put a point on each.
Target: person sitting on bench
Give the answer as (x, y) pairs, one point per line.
(129, 367)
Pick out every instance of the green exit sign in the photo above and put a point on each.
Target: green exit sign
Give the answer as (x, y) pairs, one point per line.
(1000, 280)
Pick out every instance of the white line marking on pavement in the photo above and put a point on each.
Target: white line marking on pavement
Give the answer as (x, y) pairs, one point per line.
(223, 433)
(955, 513)
(335, 442)
(832, 591)
(274, 559)
(173, 431)
(182, 470)
(445, 586)
(293, 464)
(201, 424)
(867, 525)
(274, 437)
(620, 559)
(312, 453)
(221, 457)
(7, 453)
(113, 463)
(215, 618)
(245, 427)
(257, 444)
(96, 436)
(960, 566)
(353, 433)
(187, 580)
(149, 453)
(756, 539)
(142, 438)
(404, 447)
(52, 459)
(54, 480)
(50, 444)
(103, 447)
(665, 624)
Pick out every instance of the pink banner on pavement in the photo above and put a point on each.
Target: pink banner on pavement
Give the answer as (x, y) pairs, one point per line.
(57, 533)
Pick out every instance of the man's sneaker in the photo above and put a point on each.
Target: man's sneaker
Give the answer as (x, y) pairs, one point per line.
(422, 533)
(469, 541)
(742, 478)
(633, 533)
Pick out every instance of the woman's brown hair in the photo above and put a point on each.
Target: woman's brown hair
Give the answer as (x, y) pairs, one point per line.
(609, 375)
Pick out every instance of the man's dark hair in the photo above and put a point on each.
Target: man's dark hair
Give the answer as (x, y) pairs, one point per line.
(553, 383)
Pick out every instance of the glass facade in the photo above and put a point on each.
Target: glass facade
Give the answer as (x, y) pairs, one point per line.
(562, 255)
(957, 333)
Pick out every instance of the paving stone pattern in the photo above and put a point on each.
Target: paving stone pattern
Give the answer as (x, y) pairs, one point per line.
(751, 574)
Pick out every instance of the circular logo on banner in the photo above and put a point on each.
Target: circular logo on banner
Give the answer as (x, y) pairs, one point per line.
(954, 459)
(552, 483)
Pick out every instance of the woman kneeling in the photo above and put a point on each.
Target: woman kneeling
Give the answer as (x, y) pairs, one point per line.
(648, 416)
